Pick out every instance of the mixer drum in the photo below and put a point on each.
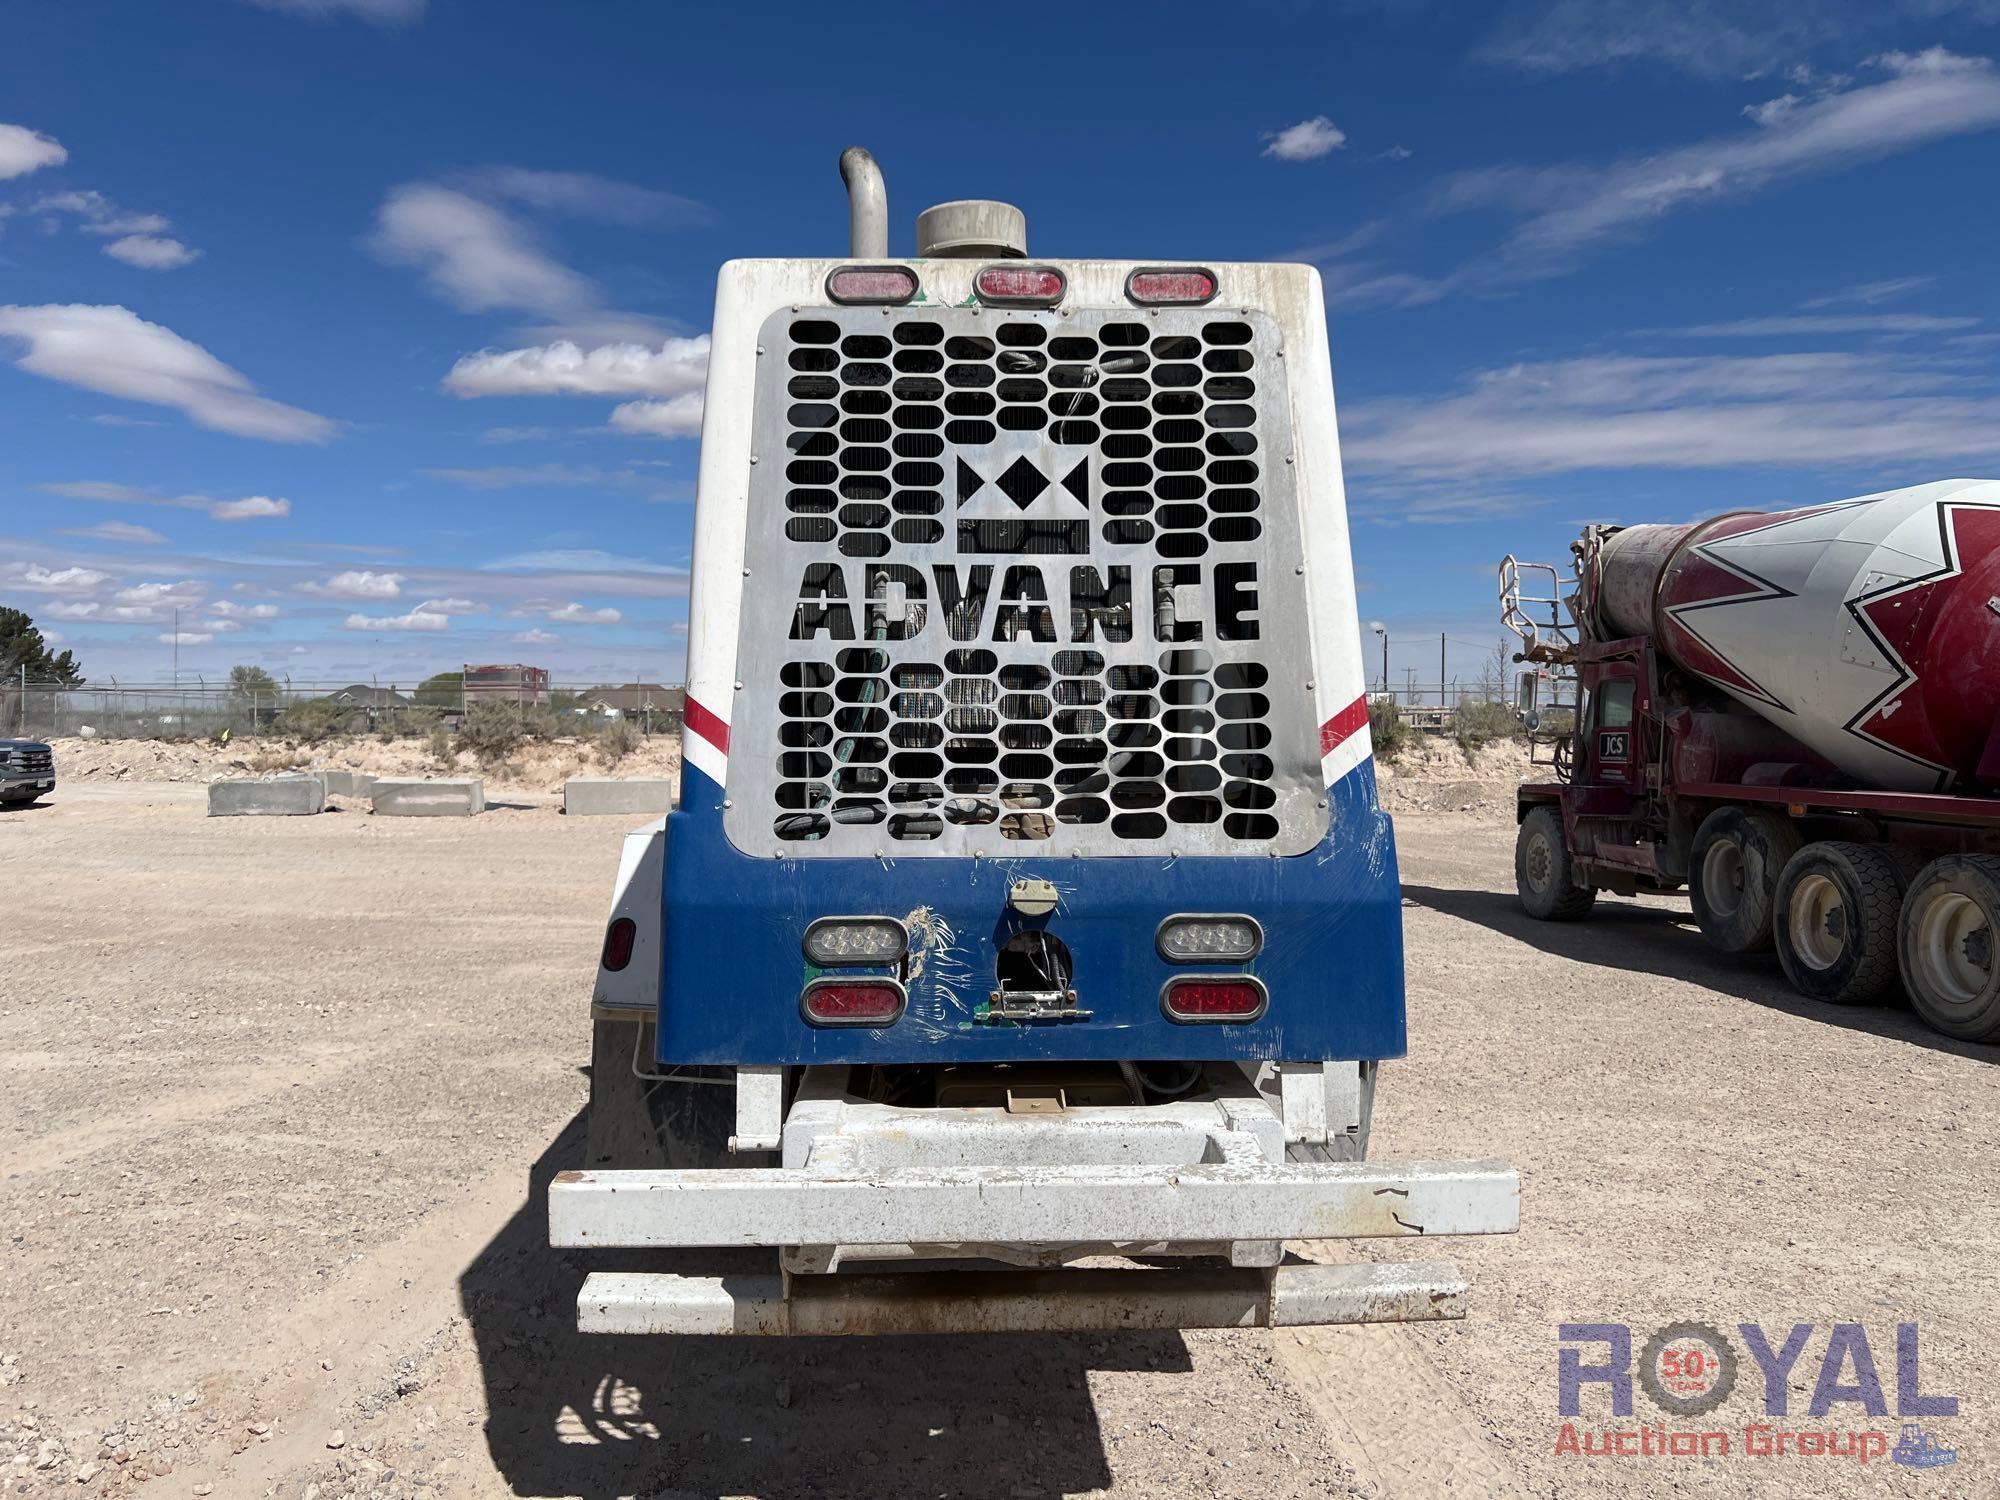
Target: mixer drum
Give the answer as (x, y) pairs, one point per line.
(1869, 629)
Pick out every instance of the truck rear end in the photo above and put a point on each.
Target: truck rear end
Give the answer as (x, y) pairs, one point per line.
(1027, 901)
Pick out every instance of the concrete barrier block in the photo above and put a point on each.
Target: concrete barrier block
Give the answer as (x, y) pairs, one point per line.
(348, 783)
(454, 798)
(266, 797)
(603, 796)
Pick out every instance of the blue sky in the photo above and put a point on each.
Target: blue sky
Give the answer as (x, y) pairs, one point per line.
(369, 333)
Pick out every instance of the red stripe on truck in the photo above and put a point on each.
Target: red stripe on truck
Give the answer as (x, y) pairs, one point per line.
(710, 728)
(1331, 733)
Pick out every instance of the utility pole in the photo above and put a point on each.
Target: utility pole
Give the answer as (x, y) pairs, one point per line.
(1442, 703)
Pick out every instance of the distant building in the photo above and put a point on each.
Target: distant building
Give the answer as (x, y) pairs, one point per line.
(637, 700)
(361, 695)
(515, 684)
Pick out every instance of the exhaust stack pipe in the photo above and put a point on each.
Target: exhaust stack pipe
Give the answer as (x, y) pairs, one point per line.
(867, 205)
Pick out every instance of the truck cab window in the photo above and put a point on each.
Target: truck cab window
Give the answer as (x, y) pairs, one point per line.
(1614, 705)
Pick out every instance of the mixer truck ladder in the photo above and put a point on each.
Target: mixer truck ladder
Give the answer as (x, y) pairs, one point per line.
(1542, 621)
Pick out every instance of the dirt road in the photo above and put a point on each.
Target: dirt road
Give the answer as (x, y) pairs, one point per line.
(279, 1099)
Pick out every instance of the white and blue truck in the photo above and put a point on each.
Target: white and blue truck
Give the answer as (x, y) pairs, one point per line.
(1025, 942)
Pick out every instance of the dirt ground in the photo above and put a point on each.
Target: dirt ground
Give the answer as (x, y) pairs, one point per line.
(538, 766)
(280, 1099)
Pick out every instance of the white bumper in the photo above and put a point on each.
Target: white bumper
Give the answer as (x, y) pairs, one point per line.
(869, 1185)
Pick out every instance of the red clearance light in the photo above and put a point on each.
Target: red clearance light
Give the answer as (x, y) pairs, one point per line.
(1021, 286)
(891, 284)
(1214, 997)
(618, 940)
(852, 1002)
(1167, 286)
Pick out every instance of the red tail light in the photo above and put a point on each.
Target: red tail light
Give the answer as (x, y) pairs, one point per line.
(892, 284)
(852, 1002)
(618, 940)
(1021, 286)
(1214, 997)
(1168, 286)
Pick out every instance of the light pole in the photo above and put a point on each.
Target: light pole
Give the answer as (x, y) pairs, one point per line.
(1382, 630)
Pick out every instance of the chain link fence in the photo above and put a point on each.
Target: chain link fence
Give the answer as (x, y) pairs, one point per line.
(30, 709)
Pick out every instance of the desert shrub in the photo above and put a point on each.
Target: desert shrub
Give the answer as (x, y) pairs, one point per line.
(1477, 725)
(441, 748)
(617, 740)
(1386, 728)
(540, 722)
(491, 731)
(312, 720)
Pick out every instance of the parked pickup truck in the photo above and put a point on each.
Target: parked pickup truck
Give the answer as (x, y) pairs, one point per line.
(27, 771)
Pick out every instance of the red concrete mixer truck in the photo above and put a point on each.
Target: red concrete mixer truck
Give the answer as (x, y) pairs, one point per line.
(1795, 715)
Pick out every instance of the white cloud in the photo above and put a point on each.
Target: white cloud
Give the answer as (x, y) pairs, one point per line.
(416, 619)
(1810, 411)
(119, 419)
(523, 476)
(378, 12)
(151, 252)
(119, 531)
(186, 637)
(224, 627)
(359, 585)
(525, 638)
(1724, 39)
(136, 239)
(41, 580)
(250, 507)
(1562, 212)
(587, 196)
(1868, 293)
(53, 637)
(578, 560)
(678, 366)
(451, 607)
(186, 594)
(23, 151)
(96, 214)
(230, 610)
(679, 416)
(514, 435)
(475, 256)
(576, 614)
(1885, 323)
(1306, 141)
(114, 352)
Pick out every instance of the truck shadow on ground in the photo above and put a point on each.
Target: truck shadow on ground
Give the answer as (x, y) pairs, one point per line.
(1652, 940)
(989, 1415)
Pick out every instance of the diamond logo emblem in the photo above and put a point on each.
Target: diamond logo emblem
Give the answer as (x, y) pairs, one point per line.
(1022, 482)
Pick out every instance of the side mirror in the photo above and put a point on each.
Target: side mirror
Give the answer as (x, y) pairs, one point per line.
(1525, 692)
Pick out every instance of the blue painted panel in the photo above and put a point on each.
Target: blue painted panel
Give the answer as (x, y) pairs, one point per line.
(732, 968)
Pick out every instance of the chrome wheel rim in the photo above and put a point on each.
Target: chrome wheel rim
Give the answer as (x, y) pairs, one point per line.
(1722, 877)
(1954, 949)
(1817, 922)
(1541, 861)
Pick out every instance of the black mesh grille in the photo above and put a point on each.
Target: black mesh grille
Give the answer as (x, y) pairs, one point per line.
(1031, 591)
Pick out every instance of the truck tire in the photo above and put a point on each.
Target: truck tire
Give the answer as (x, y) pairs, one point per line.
(647, 1123)
(1835, 927)
(1544, 873)
(1951, 921)
(1733, 870)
